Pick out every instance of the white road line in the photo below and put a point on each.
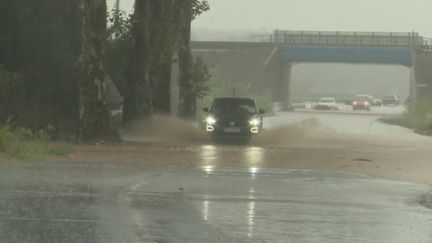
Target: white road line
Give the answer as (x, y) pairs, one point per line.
(137, 186)
(50, 220)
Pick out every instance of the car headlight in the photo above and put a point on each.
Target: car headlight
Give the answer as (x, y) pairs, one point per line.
(366, 103)
(210, 120)
(254, 122)
(355, 103)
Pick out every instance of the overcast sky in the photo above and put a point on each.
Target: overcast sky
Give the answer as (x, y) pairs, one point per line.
(335, 15)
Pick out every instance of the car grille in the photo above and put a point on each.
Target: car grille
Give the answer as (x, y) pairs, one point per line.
(228, 123)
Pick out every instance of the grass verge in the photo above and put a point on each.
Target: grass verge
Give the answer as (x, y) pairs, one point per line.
(24, 145)
(418, 117)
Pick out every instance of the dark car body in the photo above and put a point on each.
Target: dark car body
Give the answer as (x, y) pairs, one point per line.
(362, 102)
(233, 117)
(391, 99)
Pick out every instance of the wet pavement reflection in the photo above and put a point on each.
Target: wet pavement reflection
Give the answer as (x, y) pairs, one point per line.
(219, 193)
(137, 203)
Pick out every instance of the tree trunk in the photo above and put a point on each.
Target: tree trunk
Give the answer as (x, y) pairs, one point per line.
(94, 117)
(162, 43)
(140, 101)
(187, 99)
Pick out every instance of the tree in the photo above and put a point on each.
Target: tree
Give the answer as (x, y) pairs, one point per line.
(201, 76)
(187, 100)
(199, 7)
(158, 33)
(139, 98)
(189, 10)
(162, 42)
(40, 41)
(93, 112)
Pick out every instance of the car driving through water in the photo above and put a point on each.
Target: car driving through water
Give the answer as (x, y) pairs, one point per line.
(362, 102)
(234, 117)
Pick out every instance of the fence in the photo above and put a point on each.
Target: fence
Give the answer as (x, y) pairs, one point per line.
(344, 38)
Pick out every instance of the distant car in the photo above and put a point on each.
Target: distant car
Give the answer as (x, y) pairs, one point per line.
(362, 102)
(377, 102)
(233, 117)
(391, 99)
(326, 104)
(348, 101)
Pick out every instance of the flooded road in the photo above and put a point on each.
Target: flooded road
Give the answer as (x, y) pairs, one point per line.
(140, 203)
(311, 177)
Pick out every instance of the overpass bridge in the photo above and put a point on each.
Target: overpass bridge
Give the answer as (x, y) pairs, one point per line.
(269, 58)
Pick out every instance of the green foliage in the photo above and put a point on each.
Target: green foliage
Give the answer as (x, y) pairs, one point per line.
(27, 151)
(39, 46)
(24, 144)
(119, 25)
(7, 138)
(60, 150)
(417, 117)
(199, 7)
(201, 76)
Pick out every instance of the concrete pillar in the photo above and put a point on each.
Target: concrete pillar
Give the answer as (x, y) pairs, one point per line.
(175, 93)
(279, 73)
(286, 86)
(413, 80)
(422, 75)
(413, 85)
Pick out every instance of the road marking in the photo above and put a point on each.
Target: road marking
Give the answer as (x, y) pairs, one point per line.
(50, 220)
(137, 186)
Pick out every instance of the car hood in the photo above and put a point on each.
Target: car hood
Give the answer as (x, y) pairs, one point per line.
(234, 117)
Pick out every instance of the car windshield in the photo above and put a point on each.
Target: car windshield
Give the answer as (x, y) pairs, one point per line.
(362, 98)
(234, 106)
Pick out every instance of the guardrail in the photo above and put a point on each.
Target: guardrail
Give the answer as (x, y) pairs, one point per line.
(344, 38)
(427, 44)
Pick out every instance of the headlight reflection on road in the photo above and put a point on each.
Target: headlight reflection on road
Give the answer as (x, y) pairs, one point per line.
(208, 158)
(251, 213)
(205, 209)
(254, 156)
(253, 170)
(208, 169)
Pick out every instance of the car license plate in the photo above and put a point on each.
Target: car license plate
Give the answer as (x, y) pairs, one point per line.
(232, 130)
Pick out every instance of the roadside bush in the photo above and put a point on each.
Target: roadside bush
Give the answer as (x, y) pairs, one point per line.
(7, 139)
(24, 144)
(418, 117)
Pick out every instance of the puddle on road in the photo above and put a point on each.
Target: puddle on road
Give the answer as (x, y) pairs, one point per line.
(168, 129)
(165, 129)
(293, 134)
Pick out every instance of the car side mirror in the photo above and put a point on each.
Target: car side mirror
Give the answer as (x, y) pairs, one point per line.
(261, 111)
(206, 110)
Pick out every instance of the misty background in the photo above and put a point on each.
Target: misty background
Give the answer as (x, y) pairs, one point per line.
(239, 20)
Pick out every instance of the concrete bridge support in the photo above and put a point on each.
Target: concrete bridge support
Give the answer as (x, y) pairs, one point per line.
(412, 86)
(422, 75)
(279, 75)
(286, 70)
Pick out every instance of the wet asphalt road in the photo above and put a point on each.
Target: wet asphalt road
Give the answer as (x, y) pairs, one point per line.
(134, 202)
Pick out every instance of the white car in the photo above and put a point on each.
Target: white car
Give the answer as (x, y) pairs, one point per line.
(326, 104)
